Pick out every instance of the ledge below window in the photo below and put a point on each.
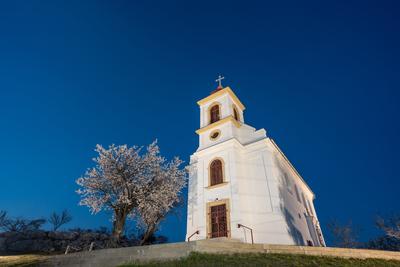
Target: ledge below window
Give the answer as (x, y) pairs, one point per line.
(216, 185)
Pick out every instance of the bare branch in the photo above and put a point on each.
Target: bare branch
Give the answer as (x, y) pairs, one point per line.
(18, 224)
(344, 235)
(57, 220)
(391, 226)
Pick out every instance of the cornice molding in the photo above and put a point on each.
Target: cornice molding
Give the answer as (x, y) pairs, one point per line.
(218, 123)
(226, 90)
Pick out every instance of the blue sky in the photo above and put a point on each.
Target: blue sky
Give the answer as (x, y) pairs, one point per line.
(321, 77)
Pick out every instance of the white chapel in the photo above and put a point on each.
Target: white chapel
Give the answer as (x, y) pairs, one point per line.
(241, 185)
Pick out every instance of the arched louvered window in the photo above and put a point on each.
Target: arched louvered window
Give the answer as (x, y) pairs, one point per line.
(216, 172)
(214, 114)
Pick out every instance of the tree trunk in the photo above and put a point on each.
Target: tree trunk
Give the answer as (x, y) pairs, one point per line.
(149, 232)
(119, 223)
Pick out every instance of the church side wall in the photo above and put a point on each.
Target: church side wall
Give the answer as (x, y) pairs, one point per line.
(256, 205)
(260, 198)
(267, 204)
(295, 197)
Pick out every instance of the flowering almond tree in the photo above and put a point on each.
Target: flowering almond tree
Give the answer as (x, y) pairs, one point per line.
(161, 195)
(132, 183)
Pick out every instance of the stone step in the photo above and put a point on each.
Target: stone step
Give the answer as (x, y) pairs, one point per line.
(221, 239)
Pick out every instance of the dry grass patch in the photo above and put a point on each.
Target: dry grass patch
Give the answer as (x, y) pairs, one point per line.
(21, 260)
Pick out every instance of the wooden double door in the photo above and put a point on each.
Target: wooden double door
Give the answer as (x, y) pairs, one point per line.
(218, 221)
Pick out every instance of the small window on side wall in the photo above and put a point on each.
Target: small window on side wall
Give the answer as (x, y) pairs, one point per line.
(297, 193)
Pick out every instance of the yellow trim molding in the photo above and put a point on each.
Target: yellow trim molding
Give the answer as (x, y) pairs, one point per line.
(218, 123)
(208, 215)
(216, 185)
(220, 93)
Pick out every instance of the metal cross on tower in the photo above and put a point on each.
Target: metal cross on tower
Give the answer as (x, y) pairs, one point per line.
(219, 80)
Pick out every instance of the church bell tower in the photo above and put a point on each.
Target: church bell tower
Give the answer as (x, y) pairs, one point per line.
(240, 181)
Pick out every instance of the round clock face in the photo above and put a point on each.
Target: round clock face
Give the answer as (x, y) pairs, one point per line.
(215, 134)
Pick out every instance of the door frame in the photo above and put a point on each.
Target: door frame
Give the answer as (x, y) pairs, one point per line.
(208, 215)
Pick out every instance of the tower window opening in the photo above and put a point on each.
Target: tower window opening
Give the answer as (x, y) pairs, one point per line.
(214, 114)
(236, 114)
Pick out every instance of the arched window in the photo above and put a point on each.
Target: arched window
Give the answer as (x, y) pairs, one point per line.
(214, 114)
(216, 172)
(305, 203)
(297, 193)
(236, 114)
(309, 207)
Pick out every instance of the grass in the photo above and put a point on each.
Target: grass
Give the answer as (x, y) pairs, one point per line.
(231, 260)
(21, 260)
(247, 259)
